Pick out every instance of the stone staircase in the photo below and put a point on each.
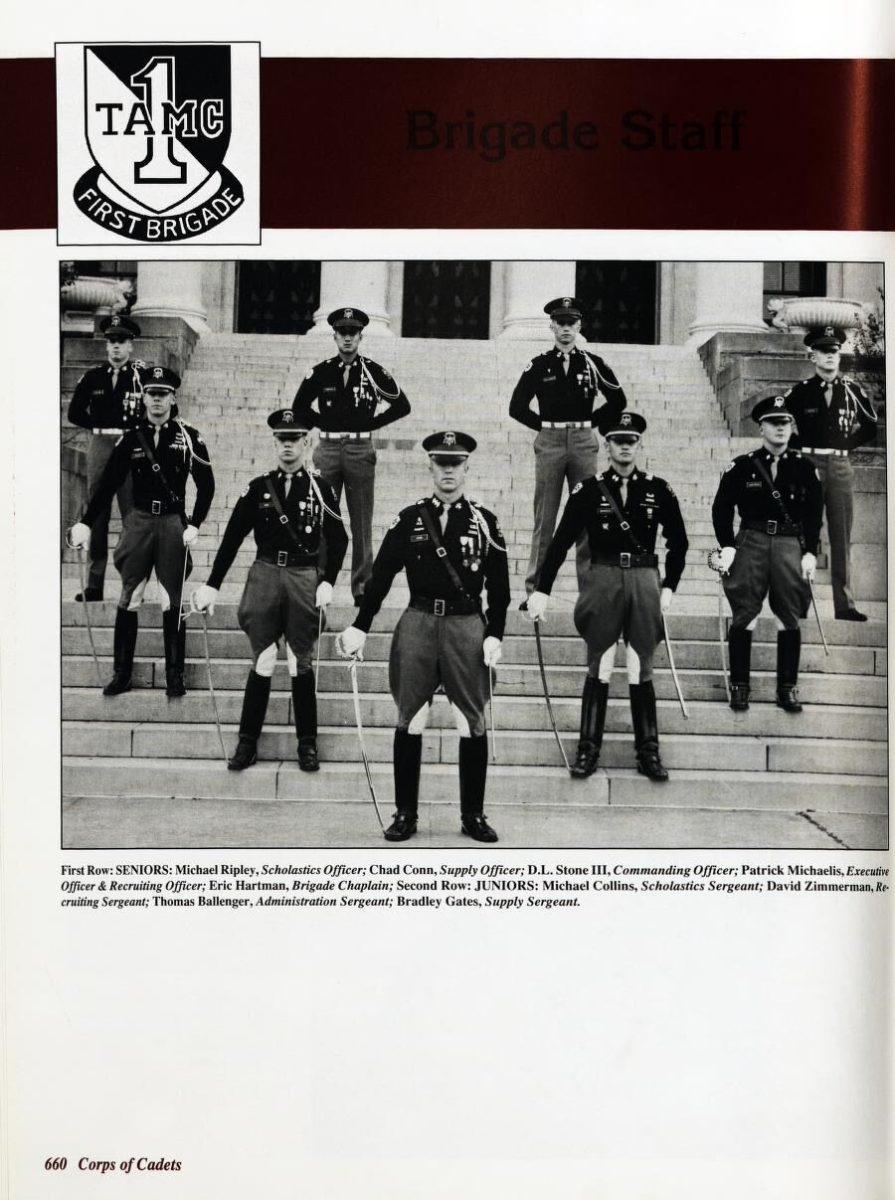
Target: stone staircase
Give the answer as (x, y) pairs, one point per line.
(141, 770)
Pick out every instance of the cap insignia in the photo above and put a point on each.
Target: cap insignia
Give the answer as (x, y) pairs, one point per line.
(348, 314)
(157, 373)
(829, 331)
(287, 417)
(778, 402)
(450, 439)
(626, 419)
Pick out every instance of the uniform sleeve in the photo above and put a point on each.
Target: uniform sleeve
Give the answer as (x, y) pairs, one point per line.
(497, 580)
(569, 529)
(389, 561)
(114, 475)
(79, 406)
(308, 392)
(523, 394)
(867, 419)
(333, 534)
(203, 477)
(675, 535)
(395, 408)
(241, 520)
(814, 507)
(724, 506)
(616, 401)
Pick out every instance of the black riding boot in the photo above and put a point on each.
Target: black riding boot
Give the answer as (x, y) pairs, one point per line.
(789, 647)
(175, 653)
(254, 710)
(739, 643)
(646, 731)
(406, 756)
(473, 772)
(594, 699)
(124, 644)
(304, 707)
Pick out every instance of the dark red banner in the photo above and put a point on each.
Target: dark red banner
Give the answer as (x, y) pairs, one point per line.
(467, 143)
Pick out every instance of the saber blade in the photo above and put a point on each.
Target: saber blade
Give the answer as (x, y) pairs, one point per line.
(491, 711)
(817, 615)
(562, 748)
(317, 664)
(80, 553)
(352, 670)
(677, 684)
(214, 703)
(186, 559)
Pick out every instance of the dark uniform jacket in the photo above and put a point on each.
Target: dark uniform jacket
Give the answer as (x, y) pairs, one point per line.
(650, 503)
(97, 405)
(349, 407)
(743, 488)
(256, 511)
(180, 453)
(847, 422)
(566, 397)
(478, 563)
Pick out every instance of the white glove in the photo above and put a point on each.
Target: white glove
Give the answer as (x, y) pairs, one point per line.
(491, 651)
(350, 643)
(204, 598)
(190, 534)
(324, 594)
(809, 566)
(79, 535)
(537, 605)
(726, 557)
(665, 599)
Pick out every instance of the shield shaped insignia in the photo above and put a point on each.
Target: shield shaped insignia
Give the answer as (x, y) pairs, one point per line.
(158, 118)
(450, 439)
(626, 419)
(778, 402)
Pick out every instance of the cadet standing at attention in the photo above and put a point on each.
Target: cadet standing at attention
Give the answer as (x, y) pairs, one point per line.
(290, 512)
(566, 381)
(780, 501)
(621, 512)
(107, 400)
(349, 397)
(833, 415)
(452, 549)
(158, 455)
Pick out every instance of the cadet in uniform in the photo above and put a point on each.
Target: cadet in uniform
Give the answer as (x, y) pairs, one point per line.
(290, 512)
(349, 397)
(621, 512)
(107, 401)
(566, 381)
(833, 415)
(159, 454)
(780, 502)
(451, 549)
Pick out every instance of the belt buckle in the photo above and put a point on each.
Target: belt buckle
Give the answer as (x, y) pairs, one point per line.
(156, 508)
(438, 608)
(282, 558)
(772, 527)
(624, 559)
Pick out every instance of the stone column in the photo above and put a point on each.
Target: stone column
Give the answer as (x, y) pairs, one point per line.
(729, 297)
(168, 291)
(354, 285)
(528, 287)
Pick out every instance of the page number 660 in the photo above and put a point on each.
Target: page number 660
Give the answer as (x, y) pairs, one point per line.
(56, 1164)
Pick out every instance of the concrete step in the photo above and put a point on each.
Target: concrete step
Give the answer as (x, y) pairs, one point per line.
(751, 752)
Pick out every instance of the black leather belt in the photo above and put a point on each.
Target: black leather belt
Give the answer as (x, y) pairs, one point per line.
(445, 608)
(772, 528)
(158, 508)
(626, 560)
(286, 558)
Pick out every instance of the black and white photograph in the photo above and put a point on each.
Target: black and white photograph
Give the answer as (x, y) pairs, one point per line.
(544, 553)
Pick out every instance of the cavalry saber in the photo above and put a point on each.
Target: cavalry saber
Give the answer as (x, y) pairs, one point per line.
(84, 601)
(491, 711)
(817, 615)
(214, 703)
(562, 748)
(319, 637)
(352, 670)
(186, 559)
(680, 694)
(715, 563)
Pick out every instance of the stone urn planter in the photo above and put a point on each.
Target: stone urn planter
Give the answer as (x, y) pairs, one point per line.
(801, 313)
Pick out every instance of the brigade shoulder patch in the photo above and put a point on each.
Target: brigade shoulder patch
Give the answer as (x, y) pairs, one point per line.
(576, 488)
(395, 523)
(528, 366)
(730, 466)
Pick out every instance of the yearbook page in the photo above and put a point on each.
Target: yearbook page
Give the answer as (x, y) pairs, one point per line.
(445, 627)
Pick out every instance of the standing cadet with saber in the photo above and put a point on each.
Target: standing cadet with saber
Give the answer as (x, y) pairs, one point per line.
(107, 401)
(780, 501)
(566, 382)
(349, 397)
(291, 512)
(621, 512)
(452, 550)
(158, 455)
